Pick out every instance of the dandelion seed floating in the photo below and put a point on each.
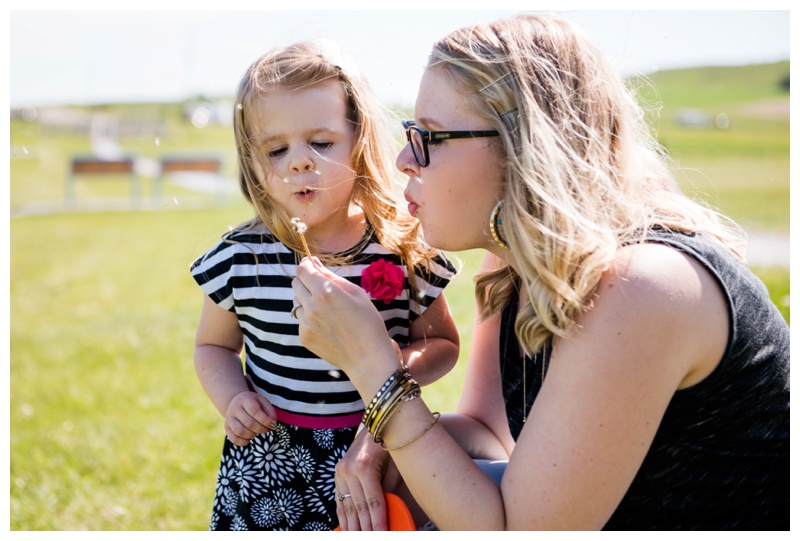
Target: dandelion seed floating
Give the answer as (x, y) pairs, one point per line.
(300, 228)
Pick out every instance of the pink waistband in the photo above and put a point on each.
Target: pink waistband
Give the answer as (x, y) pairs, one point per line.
(311, 421)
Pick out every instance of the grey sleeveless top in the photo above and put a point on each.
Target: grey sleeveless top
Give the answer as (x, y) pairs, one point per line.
(720, 458)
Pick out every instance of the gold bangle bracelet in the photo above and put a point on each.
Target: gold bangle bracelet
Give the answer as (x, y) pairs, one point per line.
(384, 409)
(386, 398)
(374, 406)
(408, 394)
(436, 416)
(388, 408)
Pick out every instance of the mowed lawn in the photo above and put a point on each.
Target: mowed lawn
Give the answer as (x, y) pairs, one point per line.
(109, 428)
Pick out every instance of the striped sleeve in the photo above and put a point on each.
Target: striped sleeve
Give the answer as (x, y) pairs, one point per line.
(212, 272)
(430, 280)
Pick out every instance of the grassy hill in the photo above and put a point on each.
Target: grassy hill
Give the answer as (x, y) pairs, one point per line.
(737, 156)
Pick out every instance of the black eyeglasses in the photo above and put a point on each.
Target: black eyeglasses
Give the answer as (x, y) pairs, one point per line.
(420, 139)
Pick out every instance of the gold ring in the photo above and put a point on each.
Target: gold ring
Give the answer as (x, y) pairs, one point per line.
(293, 313)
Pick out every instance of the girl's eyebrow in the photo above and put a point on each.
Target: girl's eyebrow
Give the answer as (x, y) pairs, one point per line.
(268, 138)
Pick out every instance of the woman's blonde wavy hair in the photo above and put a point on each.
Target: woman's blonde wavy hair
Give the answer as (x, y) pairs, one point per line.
(583, 173)
(306, 64)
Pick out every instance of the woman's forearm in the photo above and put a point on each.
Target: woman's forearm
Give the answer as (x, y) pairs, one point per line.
(477, 440)
(442, 477)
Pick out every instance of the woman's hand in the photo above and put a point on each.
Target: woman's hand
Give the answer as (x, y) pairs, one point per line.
(338, 323)
(248, 414)
(360, 473)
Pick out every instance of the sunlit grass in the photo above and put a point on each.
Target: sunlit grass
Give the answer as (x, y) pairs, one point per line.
(109, 427)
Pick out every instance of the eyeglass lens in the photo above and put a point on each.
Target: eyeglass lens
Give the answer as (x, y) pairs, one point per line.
(417, 146)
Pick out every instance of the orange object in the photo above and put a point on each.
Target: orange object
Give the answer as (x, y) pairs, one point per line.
(400, 519)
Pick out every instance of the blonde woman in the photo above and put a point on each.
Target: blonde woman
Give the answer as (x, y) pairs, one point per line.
(625, 362)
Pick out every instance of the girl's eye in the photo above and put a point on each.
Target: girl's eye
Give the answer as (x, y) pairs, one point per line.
(321, 145)
(276, 152)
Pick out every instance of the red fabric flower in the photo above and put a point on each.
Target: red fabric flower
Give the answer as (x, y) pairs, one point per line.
(383, 280)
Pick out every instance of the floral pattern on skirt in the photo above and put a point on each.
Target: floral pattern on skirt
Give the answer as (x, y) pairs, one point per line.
(281, 480)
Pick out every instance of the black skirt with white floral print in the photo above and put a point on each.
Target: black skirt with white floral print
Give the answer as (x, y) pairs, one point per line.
(281, 480)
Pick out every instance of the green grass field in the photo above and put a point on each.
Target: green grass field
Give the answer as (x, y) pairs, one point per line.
(110, 429)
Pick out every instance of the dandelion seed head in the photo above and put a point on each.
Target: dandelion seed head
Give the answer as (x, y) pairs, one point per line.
(298, 226)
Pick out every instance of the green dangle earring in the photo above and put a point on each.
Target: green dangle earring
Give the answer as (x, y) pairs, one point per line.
(495, 224)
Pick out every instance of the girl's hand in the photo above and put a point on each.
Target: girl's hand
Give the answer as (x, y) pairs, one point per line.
(248, 414)
(339, 324)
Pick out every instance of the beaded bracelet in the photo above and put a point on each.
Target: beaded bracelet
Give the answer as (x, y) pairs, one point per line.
(373, 407)
(404, 391)
(399, 387)
(409, 392)
(436, 416)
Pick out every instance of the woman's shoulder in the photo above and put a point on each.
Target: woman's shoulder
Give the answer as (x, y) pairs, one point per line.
(653, 269)
(659, 291)
(659, 278)
(658, 285)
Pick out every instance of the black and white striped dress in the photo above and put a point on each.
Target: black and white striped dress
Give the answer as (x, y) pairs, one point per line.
(284, 480)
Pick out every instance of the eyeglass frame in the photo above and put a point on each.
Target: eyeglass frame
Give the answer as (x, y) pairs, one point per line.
(428, 136)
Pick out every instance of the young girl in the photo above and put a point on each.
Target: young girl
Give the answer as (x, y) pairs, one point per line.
(309, 151)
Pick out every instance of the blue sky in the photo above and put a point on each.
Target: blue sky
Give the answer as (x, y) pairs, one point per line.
(150, 54)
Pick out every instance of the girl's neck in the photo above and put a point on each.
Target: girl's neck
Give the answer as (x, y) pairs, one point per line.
(338, 235)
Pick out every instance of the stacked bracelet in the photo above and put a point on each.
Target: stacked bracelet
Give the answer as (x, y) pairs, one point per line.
(435, 420)
(372, 409)
(399, 388)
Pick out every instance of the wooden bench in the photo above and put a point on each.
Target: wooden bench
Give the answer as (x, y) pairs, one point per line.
(97, 166)
(199, 165)
(207, 165)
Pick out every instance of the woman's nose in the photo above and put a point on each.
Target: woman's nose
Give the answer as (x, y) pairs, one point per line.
(406, 162)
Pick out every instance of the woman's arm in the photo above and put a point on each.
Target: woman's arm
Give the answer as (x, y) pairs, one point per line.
(658, 323)
(431, 353)
(218, 363)
(482, 415)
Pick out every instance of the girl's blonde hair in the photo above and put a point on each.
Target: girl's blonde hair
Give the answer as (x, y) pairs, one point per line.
(583, 174)
(299, 66)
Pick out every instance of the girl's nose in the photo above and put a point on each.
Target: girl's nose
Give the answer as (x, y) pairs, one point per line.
(301, 160)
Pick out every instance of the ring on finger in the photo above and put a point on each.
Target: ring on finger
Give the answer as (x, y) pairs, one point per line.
(343, 497)
(293, 313)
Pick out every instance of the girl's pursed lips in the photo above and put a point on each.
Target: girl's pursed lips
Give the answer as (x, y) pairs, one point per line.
(306, 194)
